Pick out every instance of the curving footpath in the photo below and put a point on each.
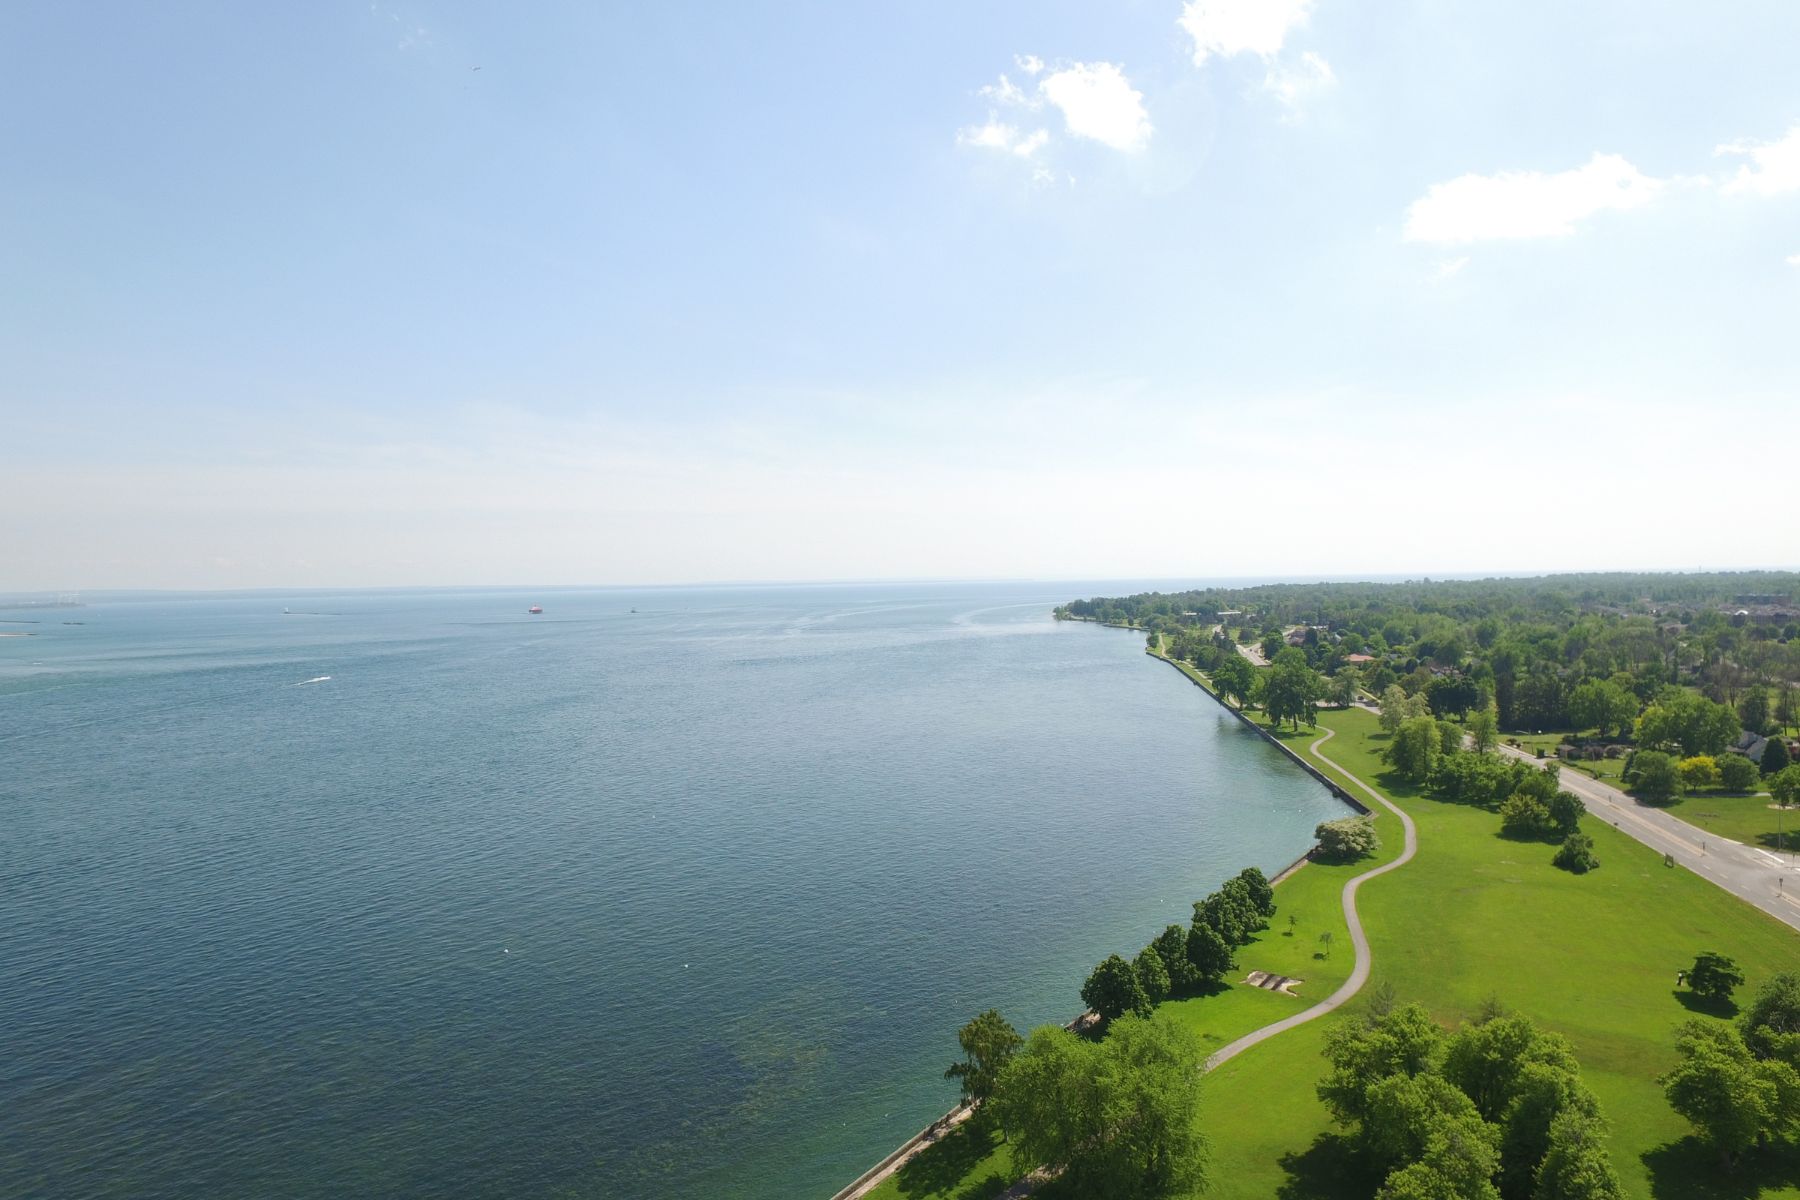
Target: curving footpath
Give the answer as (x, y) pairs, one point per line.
(1360, 974)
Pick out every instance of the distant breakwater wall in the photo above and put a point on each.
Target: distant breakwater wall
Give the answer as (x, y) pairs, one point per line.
(1331, 785)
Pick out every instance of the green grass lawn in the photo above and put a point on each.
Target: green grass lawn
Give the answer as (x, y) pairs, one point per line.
(1593, 957)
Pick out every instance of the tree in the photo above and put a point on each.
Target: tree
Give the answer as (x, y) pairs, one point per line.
(1602, 705)
(1698, 774)
(1651, 776)
(1576, 1166)
(1784, 785)
(1256, 886)
(1393, 707)
(1415, 749)
(1452, 695)
(1272, 644)
(1152, 975)
(1171, 947)
(1566, 810)
(1732, 1099)
(1362, 1053)
(1346, 839)
(1228, 915)
(1113, 990)
(988, 1044)
(1233, 678)
(1484, 728)
(1713, 976)
(1524, 816)
(1682, 721)
(1775, 757)
(1771, 1025)
(1116, 1118)
(1211, 956)
(1753, 710)
(1344, 686)
(1576, 854)
(1737, 773)
(1294, 689)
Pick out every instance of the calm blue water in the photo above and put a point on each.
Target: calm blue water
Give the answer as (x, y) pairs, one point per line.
(676, 903)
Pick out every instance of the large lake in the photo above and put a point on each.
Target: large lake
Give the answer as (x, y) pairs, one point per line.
(673, 893)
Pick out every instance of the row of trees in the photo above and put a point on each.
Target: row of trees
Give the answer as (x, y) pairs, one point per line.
(1496, 1109)
(1183, 962)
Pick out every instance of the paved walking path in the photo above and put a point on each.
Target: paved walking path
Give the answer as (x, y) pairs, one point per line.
(1359, 975)
(1752, 874)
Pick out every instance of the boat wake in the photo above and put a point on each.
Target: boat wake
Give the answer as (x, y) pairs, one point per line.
(318, 679)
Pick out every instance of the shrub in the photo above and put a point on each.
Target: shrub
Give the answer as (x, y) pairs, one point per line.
(1576, 854)
(1651, 776)
(1699, 773)
(1523, 816)
(1347, 839)
(1737, 773)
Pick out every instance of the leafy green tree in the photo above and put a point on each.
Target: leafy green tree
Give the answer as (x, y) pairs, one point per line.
(1771, 1025)
(1115, 1118)
(1415, 749)
(1404, 1111)
(1452, 695)
(1362, 1053)
(1732, 1098)
(1113, 990)
(1486, 1061)
(1152, 975)
(1272, 644)
(1753, 710)
(1566, 810)
(1293, 689)
(1484, 728)
(1344, 686)
(1346, 839)
(1690, 724)
(1524, 816)
(1256, 886)
(1171, 947)
(1737, 773)
(1211, 955)
(1576, 854)
(1577, 1166)
(1253, 907)
(1603, 705)
(1458, 1164)
(1233, 678)
(1775, 757)
(988, 1044)
(1394, 708)
(1651, 777)
(1713, 976)
(1227, 915)
(1785, 785)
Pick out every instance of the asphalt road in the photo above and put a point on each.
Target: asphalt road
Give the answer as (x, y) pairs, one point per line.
(1752, 874)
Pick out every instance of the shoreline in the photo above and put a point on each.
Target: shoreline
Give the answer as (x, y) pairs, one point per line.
(929, 1136)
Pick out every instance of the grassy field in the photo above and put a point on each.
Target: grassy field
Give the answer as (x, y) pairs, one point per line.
(1473, 916)
(1748, 819)
(1593, 957)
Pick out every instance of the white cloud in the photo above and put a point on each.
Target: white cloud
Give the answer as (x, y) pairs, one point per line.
(1227, 27)
(1098, 102)
(1793, 260)
(1031, 64)
(1774, 167)
(1451, 266)
(998, 135)
(1293, 85)
(1527, 204)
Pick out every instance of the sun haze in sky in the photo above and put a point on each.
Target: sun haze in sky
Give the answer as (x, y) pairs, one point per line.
(339, 294)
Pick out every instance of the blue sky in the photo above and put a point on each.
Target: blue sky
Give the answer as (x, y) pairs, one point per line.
(672, 292)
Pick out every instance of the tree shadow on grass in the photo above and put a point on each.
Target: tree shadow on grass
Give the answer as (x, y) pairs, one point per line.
(1689, 1169)
(1789, 839)
(1724, 1007)
(939, 1168)
(1328, 1169)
